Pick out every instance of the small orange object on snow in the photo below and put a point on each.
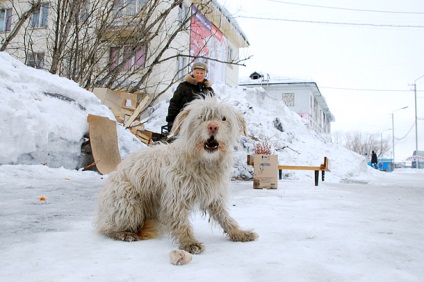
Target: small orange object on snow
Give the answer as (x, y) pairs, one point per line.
(42, 198)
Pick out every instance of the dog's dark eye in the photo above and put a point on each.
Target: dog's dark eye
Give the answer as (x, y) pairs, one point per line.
(200, 117)
(224, 118)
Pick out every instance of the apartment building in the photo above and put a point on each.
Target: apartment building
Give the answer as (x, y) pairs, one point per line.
(127, 44)
(302, 97)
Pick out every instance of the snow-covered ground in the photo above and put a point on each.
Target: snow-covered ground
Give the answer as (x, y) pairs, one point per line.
(362, 230)
(358, 225)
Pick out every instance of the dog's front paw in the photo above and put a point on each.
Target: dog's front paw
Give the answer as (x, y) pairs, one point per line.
(193, 248)
(243, 236)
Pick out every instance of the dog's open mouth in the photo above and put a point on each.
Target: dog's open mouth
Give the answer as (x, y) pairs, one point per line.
(211, 145)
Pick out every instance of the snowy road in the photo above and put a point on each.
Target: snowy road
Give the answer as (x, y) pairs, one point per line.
(364, 230)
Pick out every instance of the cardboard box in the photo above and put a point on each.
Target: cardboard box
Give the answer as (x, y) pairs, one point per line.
(129, 100)
(109, 98)
(265, 172)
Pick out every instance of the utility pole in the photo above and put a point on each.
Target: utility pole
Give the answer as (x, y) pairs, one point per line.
(416, 125)
(393, 131)
(416, 121)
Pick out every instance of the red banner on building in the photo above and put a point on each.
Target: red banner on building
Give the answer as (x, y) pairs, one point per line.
(206, 40)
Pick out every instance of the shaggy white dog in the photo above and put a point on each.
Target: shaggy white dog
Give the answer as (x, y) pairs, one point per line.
(161, 186)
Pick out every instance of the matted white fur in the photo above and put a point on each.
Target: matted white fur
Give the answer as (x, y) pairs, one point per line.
(162, 185)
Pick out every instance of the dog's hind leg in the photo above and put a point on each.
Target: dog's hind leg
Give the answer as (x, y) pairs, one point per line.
(148, 231)
(120, 214)
(230, 226)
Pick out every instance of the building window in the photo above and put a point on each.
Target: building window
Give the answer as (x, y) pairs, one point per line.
(39, 18)
(288, 99)
(36, 60)
(127, 7)
(183, 13)
(230, 56)
(5, 19)
(128, 56)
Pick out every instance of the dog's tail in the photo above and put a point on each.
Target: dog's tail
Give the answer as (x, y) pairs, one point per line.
(150, 230)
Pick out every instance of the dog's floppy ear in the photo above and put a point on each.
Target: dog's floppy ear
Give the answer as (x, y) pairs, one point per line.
(178, 122)
(241, 122)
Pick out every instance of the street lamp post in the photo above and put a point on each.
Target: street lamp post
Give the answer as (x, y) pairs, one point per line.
(416, 119)
(393, 132)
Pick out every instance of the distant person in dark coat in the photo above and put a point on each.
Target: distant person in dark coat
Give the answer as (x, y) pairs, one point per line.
(195, 86)
(374, 160)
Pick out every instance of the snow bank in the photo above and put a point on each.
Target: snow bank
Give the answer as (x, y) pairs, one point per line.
(43, 120)
(43, 117)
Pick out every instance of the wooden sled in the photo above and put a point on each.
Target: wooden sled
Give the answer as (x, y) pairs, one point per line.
(104, 143)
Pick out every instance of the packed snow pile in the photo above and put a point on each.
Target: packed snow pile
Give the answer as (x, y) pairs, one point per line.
(43, 120)
(268, 119)
(43, 117)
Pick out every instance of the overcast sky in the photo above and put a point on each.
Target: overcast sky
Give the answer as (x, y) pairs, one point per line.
(364, 56)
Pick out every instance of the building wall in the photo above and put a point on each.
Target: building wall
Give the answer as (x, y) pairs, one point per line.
(302, 98)
(39, 35)
(162, 74)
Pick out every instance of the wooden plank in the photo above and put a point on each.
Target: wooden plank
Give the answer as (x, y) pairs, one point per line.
(144, 140)
(326, 164)
(295, 167)
(323, 168)
(137, 111)
(135, 129)
(144, 134)
(127, 112)
(250, 160)
(139, 127)
(104, 143)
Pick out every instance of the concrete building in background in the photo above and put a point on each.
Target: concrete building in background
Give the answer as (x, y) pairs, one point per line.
(302, 97)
